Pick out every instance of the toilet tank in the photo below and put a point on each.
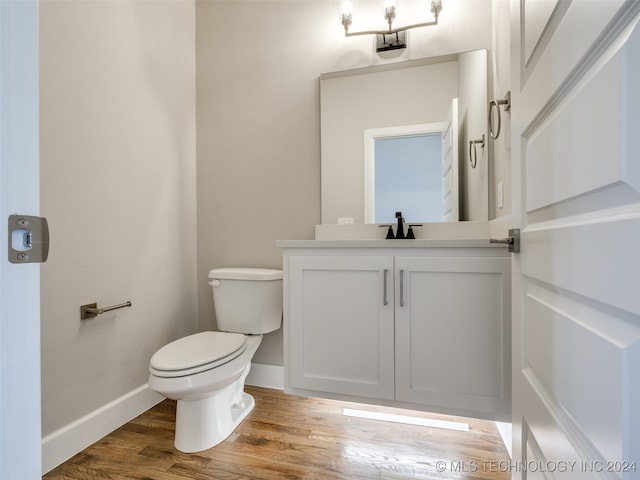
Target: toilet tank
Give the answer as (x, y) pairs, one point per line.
(247, 300)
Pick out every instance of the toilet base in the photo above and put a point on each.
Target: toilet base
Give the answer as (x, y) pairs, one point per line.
(204, 423)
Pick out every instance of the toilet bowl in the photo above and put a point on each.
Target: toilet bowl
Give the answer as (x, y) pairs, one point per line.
(206, 372)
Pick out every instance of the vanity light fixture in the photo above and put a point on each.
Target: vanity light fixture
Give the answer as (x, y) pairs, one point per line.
(390, 38)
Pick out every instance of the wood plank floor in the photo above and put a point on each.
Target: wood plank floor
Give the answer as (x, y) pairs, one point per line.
(291, 437)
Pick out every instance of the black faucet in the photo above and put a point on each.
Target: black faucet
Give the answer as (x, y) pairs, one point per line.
(400, 227)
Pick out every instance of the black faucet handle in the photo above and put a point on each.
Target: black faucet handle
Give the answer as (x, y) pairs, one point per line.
(410, 234)
(389, 231)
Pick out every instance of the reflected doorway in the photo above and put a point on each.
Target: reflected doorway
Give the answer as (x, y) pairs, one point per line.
(403, 171)
(407, 178)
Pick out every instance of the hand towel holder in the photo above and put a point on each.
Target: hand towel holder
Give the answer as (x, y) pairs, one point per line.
(506, 102)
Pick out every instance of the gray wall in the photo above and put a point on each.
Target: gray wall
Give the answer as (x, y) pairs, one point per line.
(117, 175)
(258, 133)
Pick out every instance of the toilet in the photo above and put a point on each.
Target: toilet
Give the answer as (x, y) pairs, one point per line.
(205, 372)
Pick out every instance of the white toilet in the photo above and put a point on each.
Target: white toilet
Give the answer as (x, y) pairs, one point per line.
(205, 372)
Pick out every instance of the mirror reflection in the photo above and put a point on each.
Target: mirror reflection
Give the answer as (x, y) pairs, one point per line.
(369, 112)
(407, 178)
(403, 171)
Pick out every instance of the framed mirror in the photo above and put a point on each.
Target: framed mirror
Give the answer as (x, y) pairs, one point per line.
(399, 96)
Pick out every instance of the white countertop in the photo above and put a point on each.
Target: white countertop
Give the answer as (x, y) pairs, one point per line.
(417, 243)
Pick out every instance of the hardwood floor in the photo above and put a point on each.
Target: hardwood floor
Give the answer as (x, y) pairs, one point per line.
(290, 437)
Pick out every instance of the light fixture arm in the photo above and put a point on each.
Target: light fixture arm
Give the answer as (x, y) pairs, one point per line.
(347, 33)
(390, 15)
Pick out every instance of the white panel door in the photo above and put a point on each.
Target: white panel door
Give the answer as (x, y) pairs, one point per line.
(19, 284)
(576, 295)
(450, 196)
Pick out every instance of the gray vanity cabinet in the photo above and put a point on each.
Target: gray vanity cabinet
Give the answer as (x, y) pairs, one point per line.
(423, 328)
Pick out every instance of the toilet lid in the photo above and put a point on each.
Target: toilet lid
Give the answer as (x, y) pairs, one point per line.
(190, 354)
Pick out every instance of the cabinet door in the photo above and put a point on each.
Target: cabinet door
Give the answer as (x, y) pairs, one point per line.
(340, 325)
(453, 335)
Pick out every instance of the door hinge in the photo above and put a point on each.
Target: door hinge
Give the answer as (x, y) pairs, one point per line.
(28, 239)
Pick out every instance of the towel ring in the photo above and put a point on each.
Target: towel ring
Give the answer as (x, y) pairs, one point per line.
(473, 154)
(506, 101)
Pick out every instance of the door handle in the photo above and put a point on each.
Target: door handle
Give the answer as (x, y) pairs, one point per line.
(513, 240)
(402, 288)
(28, 239)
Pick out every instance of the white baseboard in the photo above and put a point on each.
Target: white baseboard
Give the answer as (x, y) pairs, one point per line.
(61, 445)
(268, 376)
(505, 432)
(64, 443)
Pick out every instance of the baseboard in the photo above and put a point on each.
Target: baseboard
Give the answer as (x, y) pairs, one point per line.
(64, 443)
(505, 432)
(268, 376)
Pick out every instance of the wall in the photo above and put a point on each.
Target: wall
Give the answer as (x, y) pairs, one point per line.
(117, 108)
(258, 146)
(472, 111)
(500, 62)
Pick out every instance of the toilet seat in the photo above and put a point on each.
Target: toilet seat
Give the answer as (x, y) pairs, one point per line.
(197, 353)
